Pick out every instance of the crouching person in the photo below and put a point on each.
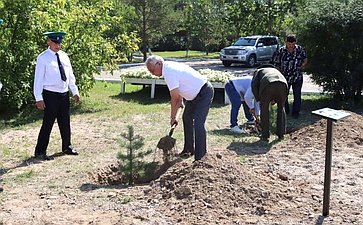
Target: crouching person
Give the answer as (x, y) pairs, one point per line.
(270, 86)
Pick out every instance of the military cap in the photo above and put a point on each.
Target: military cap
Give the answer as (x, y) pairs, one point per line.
(55, 36)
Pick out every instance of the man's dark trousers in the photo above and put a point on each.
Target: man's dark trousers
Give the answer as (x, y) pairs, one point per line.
(277, 92)
(296, 105)
(56, 107)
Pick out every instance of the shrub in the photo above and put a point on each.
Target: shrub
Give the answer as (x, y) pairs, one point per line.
(331, 32)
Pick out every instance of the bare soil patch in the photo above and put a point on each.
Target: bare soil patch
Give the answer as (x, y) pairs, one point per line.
(276, 183)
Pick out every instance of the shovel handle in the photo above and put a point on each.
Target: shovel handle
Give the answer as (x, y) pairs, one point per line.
(175, 124)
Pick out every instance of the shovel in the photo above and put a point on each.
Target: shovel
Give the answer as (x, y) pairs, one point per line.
(168, 142)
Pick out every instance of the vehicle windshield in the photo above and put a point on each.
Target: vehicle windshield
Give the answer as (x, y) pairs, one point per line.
(245, 42)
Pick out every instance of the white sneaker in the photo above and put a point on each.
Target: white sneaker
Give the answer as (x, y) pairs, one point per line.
(237, 130)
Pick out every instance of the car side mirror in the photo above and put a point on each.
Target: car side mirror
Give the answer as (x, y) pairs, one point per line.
(260, 44)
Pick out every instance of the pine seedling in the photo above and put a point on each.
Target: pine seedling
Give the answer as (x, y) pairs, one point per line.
(131, 163)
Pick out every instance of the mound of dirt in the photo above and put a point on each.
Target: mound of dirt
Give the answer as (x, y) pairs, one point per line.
(222, 189)
(283, 186)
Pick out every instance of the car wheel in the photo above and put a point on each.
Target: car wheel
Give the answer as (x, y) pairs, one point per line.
(251, 62)
(226, 63)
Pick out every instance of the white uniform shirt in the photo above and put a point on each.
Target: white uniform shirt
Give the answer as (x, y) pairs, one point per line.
(188, 80)
(47, 74)
(243, 87)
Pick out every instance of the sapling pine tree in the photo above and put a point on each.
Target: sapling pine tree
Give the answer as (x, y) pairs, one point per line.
(131, 163)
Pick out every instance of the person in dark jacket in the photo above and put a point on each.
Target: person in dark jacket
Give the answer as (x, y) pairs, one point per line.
(270, 86)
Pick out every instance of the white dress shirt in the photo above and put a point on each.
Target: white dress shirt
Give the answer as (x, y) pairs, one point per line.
(47, 74)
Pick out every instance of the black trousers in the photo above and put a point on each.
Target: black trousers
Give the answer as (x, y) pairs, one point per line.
(56, 107)
(276, 91)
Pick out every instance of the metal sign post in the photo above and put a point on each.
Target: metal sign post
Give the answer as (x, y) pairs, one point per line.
(331, 115)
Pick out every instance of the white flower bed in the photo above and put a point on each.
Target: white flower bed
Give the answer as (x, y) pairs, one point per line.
(213, 75)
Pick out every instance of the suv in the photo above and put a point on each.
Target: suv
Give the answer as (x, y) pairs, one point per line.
(250, 50)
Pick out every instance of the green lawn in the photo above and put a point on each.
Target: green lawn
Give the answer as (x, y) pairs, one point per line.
(191, 54)
(105, 114)
(183, 55)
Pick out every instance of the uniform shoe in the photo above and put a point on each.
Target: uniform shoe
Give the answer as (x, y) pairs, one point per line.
(70, 151)
(237, 130)
(43, 157)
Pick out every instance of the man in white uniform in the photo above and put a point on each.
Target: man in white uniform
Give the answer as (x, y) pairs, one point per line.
(53, 79)
(186, 83)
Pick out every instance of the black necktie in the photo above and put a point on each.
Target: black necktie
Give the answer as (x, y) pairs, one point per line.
(61, 69)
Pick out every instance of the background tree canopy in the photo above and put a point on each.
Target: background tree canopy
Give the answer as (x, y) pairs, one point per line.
(332, 32)
(91, 41)
(104, 33)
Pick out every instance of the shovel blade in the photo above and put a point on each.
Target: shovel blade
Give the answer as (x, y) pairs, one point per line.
(166, 143)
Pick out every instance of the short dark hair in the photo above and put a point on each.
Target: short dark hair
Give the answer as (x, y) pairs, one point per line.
(291, 38)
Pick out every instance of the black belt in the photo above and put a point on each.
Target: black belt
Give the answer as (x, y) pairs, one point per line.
(53, 92)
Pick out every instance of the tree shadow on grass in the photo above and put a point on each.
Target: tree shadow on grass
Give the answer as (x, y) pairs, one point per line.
(29, 161)
(30, 114)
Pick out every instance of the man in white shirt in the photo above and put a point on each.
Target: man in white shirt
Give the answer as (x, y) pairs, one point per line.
(53, 79)
(186, 83)
(240, 93)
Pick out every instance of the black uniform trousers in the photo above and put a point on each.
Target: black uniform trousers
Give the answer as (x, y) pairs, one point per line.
(276, 91)
(57, 106)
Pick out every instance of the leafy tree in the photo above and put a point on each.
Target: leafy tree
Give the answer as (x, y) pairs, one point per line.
(130, 163)
(331, 32)
(207, 21)
(261, 16)
(18, 49)
(88, 44)
(153, 19)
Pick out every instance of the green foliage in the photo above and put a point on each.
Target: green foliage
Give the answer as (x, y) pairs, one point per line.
(203, 20)
(331, 32)
(18, 50)
(273, 118)
(95, 35)
(152, 20)
(131, 163)
(190, 54)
